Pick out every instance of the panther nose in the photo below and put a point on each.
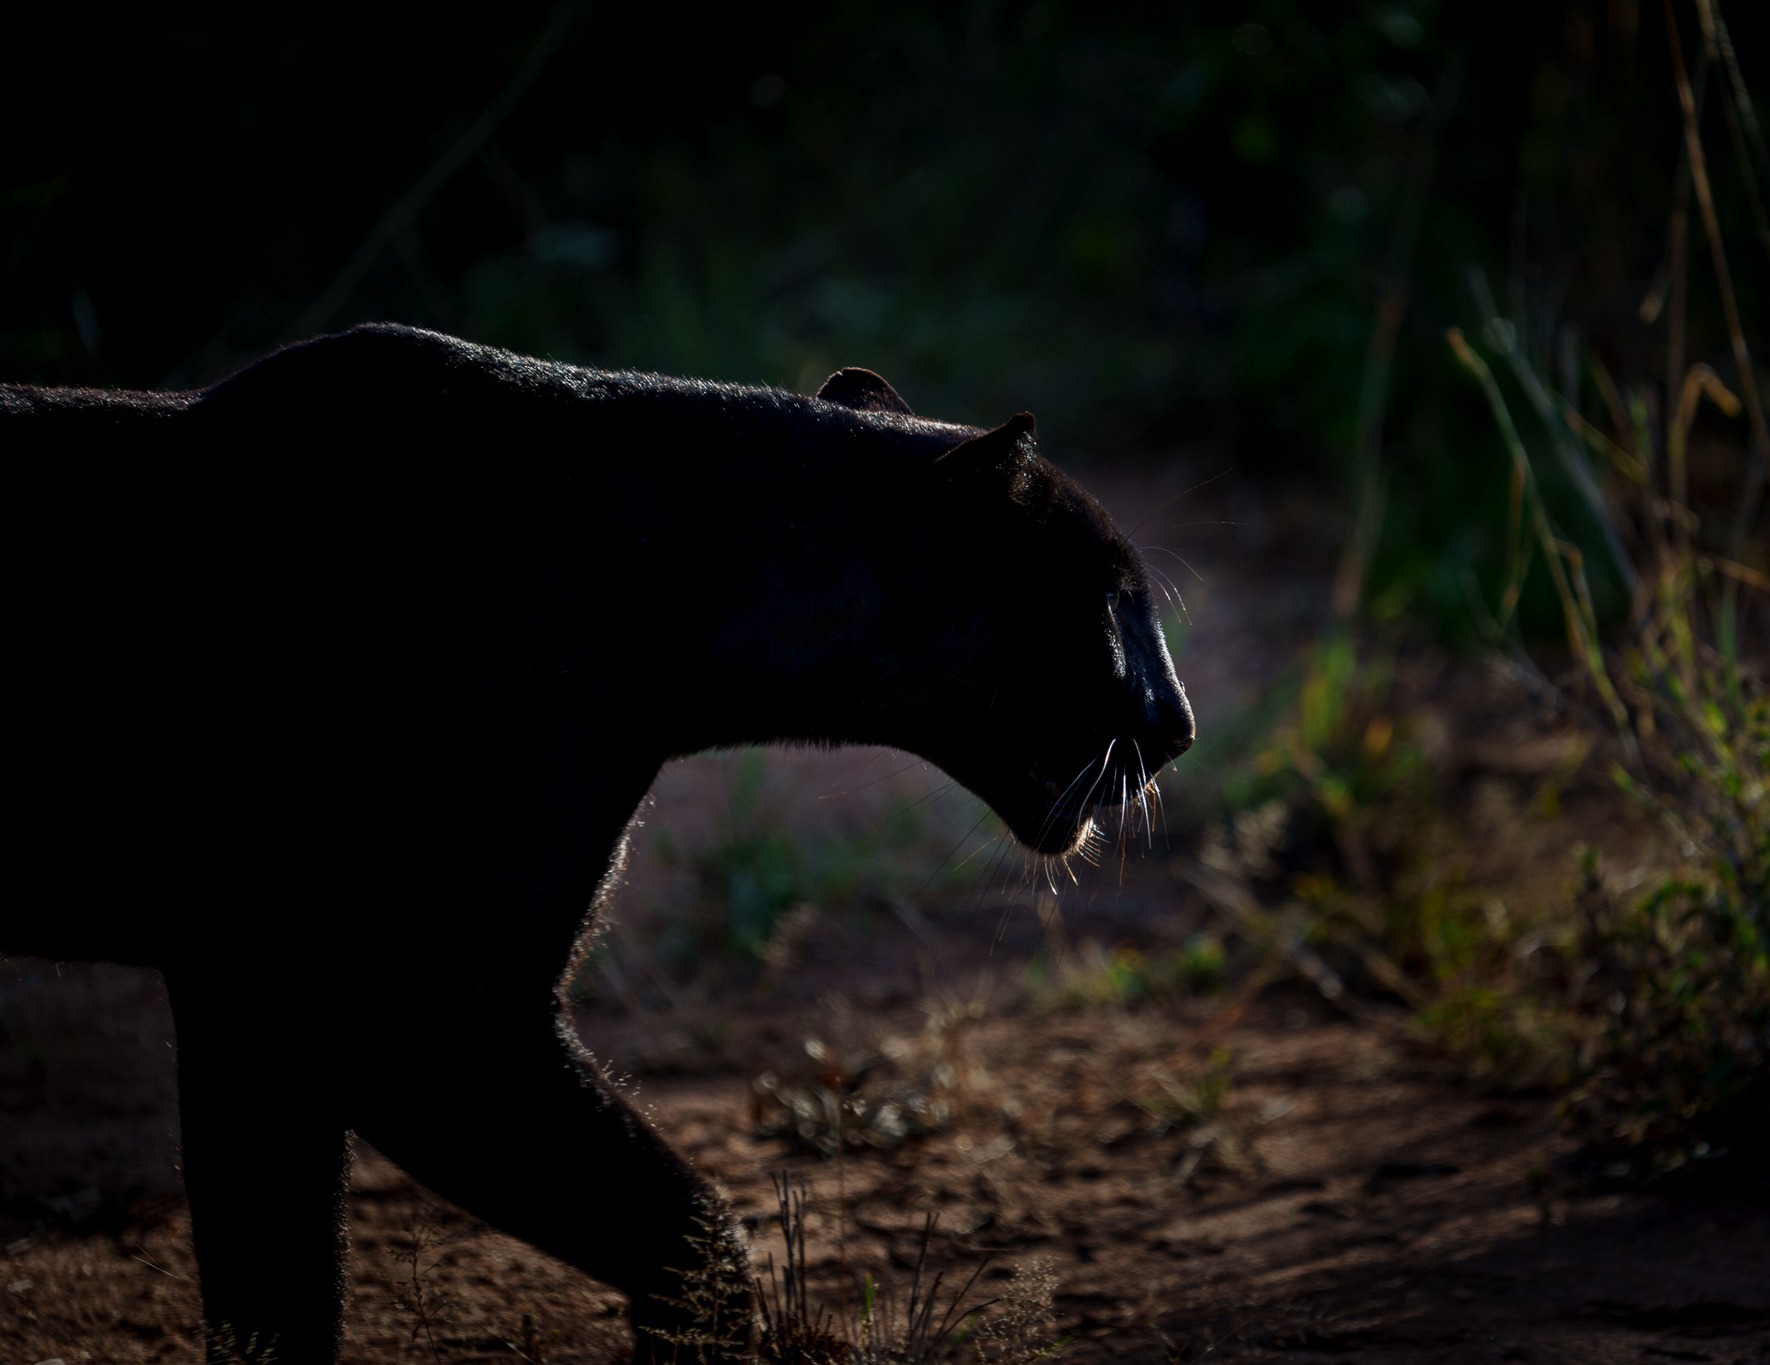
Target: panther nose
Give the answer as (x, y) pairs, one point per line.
(1170, 720)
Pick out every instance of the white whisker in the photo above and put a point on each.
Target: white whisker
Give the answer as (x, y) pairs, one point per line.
(1164, 550)
(1184, 492)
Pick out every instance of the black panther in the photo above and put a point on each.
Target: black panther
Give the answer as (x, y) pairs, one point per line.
(337, 683)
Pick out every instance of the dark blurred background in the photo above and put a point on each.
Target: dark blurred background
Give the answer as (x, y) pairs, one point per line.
(1245, 226)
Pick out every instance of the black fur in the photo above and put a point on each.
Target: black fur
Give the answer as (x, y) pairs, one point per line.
(335, 687)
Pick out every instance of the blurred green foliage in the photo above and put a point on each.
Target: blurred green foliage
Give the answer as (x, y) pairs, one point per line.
(1679, 1072)
(758, 871)
(1342, 850)
(1090, 975)
(1332, 746)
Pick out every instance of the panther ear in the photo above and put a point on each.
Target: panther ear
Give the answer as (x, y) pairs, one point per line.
(1003, 448)
(863, 391)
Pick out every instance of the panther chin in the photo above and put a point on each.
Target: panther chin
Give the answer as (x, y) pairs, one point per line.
(1046, 819)
(1060, 817)
(1065, 829)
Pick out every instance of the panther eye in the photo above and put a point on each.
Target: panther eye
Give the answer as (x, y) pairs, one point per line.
(1112, 603)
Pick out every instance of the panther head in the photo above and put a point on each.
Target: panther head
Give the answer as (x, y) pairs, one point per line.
(1034, 669)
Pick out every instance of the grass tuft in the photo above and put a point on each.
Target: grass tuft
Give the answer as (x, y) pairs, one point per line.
(921, 1323)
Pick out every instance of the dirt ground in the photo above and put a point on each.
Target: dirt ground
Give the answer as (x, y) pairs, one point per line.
(1240, 1176)
(1344, 1199)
